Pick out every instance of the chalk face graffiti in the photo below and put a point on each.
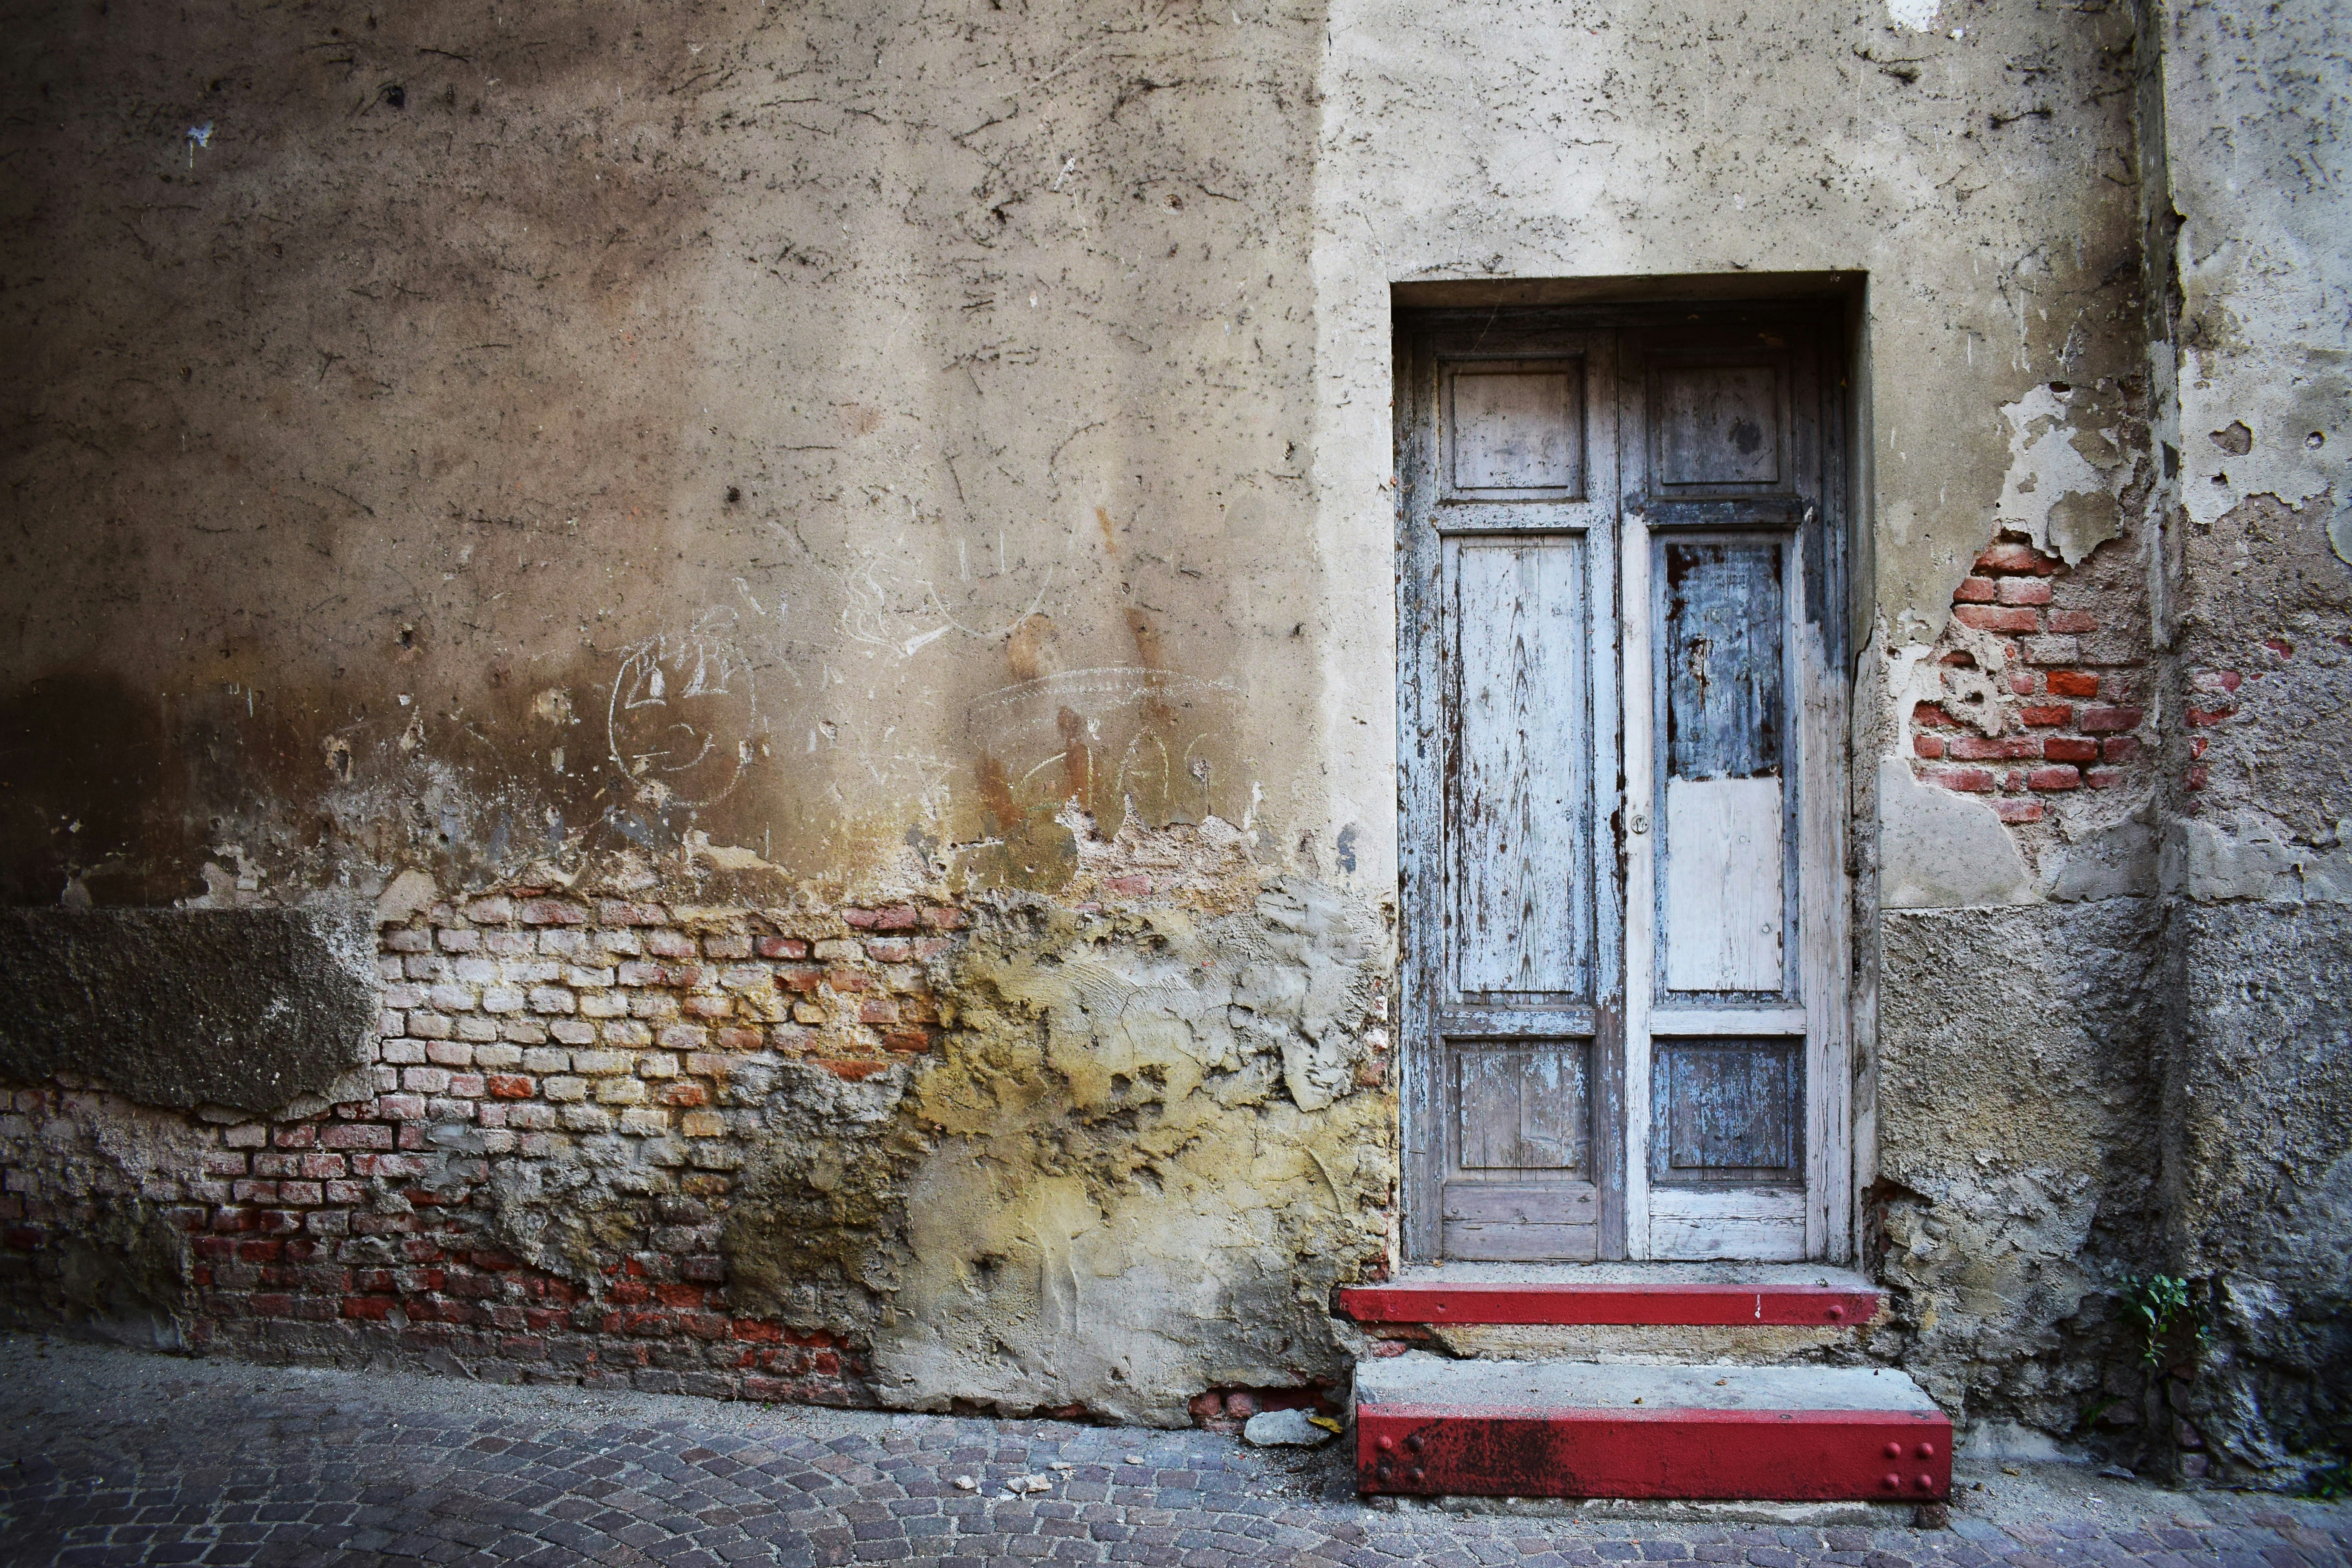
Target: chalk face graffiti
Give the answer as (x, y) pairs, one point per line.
(684, 721)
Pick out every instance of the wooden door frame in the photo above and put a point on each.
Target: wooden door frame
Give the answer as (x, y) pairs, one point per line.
(1823, 621)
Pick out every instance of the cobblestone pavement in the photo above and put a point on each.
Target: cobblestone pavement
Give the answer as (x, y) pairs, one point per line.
(112, 1457)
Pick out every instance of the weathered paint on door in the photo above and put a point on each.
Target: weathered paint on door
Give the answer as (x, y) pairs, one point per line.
(1621, 706)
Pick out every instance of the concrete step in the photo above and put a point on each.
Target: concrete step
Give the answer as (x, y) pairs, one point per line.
(1427, 1426)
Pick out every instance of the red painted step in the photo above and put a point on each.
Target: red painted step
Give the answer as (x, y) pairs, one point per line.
(1429, 1427)
(1473, 1302)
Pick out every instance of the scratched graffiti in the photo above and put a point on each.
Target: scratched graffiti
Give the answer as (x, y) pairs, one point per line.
(1115, 739)
(684, 721)
(887, 604)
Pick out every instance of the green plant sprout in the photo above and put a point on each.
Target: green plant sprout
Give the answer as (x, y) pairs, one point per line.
(2159, 1306)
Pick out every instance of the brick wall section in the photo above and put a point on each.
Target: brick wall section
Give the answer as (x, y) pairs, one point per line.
(515, 1029)
(2074, 689)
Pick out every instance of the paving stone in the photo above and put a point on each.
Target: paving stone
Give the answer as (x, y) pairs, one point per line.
(126, 1459)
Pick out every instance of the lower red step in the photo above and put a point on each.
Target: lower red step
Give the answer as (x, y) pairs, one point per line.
(1429, 1427)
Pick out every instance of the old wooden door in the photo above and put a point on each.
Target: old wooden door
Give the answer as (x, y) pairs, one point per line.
(1622, 715)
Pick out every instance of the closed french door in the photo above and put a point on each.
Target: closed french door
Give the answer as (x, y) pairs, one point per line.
(1622, 712)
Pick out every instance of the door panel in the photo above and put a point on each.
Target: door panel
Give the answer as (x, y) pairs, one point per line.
(1727, 1111)
(1523, 1110)
(1515, 430)
(1725, 708)
(1718, 428)
(1620, 682)
(1521, 838)
(1721, 922)
(1721, 648)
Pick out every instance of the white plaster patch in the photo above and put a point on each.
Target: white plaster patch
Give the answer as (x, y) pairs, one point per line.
(2046, 469)
(1938, 849)
(2295, 420)
(1919, 16)
(2254, 858)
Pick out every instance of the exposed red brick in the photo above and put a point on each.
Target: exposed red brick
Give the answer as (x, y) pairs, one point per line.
(2206, 718)
(781, 947)
(1976, 591)
(2096, 719)
(2024, 590)
(2016, 558)
(1933, 714)
(2103, 778)
(2073, 621)
(2119, 748)
(2070, 749)
(1928, 746)
(2072, 683)
(1992, 618)
(2053, 779)
(2047, 715)
(1992, 748)
(553, 912)
(853, 1070)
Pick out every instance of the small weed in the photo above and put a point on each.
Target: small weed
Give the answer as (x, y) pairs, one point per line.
(2159, 1306)
(2332, 1482)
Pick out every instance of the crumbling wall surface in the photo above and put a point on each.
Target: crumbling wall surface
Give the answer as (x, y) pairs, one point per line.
(1144, 1159)
(2257, 846)
(1020, 1154)
(2260, 1178)
(2018, 1168)
(631, 494)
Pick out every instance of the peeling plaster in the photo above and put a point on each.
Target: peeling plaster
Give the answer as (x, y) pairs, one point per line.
(1940, 849)
(2053, 491)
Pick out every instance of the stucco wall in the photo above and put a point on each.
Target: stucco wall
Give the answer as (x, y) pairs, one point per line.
(2258, 1130)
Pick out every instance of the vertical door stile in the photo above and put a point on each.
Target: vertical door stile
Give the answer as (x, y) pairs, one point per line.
(1806, 809)
(1639, 838)
(1419, 782)
(1606, 550)
(1821, 977)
